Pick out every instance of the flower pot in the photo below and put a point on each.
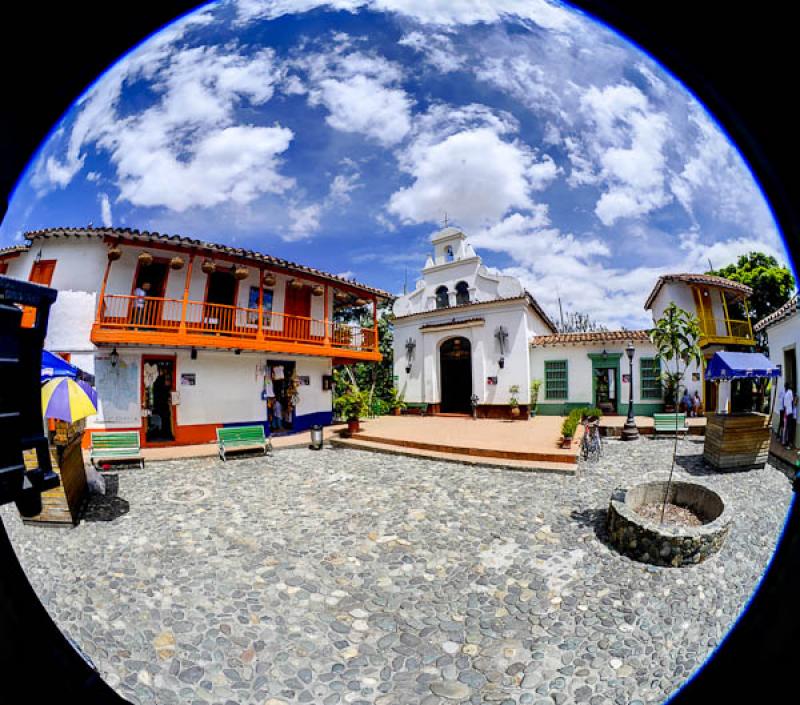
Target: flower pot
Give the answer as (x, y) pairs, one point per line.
(145, 258)
(240, 273)
(359, 302)
(318, 290)
(270, 279)
(341, 296)
(208, 266)
(176, 263)
(515, 411)
(396, 411)
(295, 284)
(353, 426)
(566, 442)
(114, 253)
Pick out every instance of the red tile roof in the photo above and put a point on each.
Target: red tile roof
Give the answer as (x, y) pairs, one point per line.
(788, 309)
(600, 336)
(707, 279)
(180, 241)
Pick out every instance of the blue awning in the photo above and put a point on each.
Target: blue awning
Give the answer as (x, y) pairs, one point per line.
(55, 366)
(739, 365)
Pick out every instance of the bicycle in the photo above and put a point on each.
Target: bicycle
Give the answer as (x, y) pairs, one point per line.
(591, 445)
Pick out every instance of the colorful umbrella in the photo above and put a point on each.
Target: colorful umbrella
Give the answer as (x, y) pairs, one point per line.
(91, 392)
(66, 399)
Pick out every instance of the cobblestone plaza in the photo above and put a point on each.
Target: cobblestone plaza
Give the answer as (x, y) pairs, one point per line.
(347, 577)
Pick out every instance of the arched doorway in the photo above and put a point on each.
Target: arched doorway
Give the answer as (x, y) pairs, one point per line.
(455, 358)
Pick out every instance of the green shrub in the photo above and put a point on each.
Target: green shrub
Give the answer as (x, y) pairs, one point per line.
(353, 404)
(574, 417)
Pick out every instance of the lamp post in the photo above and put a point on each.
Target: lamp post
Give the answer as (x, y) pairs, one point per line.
(629, 430)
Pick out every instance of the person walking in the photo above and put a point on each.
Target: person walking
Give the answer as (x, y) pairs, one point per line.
(787, 411)
(686, 403)
(696, 404)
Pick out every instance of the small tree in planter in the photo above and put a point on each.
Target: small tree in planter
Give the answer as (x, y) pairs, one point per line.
(351, 406)
(396, 403)
(514, 400)
(535, 386)
(568, 428)
(676, 335)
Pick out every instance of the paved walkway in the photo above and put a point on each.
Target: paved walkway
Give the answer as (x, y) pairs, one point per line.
(645, 424)
(527, 440)
(340, 576)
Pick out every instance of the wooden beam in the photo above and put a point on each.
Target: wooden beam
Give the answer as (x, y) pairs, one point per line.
(187, 283)
(103, 292)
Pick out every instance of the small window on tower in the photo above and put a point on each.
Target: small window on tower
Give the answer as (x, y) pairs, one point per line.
(462, 293)
(442, 297)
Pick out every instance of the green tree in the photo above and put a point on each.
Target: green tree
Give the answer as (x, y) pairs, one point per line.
(375, 378)
(771, 283)
(676, 337)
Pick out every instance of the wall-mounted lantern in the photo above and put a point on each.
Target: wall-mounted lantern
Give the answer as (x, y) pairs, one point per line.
(502, 336)
(411, 345)
(114, 357)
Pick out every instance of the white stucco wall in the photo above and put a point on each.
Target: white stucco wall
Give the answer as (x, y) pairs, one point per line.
(423, 384)
(784, 336)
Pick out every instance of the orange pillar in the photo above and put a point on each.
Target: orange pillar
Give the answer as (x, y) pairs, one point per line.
(186, 285)
(260, 333)
(325, 316)
(375, 322)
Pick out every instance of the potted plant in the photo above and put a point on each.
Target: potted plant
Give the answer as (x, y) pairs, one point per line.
(513, 400)
(396, 403)
(176, 263)
(568, 430)
(145, 258)
(114, 253)
(351, 405)
(535, 386)
(241, 273)
(208, 266)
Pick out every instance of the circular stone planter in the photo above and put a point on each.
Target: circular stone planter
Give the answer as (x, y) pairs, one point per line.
(669, 545)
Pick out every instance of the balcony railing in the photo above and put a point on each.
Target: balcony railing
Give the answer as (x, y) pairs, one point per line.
(726, 328)
(139, 319)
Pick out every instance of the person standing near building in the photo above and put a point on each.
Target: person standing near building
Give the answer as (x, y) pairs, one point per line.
(787, 411)
(140, 292)
(792, 422)
(697, 404)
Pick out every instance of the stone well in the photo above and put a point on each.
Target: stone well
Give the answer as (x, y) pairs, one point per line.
(648, 542)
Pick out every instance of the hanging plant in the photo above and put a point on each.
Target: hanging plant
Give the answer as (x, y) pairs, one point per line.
(270, 279)
(176, 263)
(318, 290)
(115, 253)
(295, 284)
(145, 258)
(341, 296)
(208, 266)
(241, 273)
(360, 302)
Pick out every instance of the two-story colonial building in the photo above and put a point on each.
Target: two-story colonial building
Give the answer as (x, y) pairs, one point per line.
(467, 333)
(185, 336)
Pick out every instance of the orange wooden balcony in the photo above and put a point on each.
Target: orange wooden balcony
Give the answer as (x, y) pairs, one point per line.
(725, 331)
(130, 320)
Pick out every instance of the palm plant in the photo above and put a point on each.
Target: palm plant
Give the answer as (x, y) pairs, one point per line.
(675, 336)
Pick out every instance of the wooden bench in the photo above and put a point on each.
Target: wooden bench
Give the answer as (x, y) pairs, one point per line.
(421, 406)
(242, 438)
(670, 423)
(116, 445)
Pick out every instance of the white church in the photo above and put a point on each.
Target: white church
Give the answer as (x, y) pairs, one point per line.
(469, 336)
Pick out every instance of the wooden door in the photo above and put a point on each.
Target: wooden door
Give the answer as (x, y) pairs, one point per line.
(298, 312)
(41, 273)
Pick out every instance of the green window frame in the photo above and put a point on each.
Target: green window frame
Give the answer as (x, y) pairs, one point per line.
(650, 378)
(556, 379)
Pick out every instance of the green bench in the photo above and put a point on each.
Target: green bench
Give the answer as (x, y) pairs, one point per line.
(670, 423)
(116, 445)
(242, 438)
(421, 406)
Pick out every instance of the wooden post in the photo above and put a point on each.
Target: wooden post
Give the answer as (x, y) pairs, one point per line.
(260, 333)
(103, 293)
(186, 285)
(747, 316)
(326, 339)
(727, 315)
(375, 321)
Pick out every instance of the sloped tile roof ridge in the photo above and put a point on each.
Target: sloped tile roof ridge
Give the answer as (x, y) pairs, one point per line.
(591, 337)
(697, 278)
(788, 309)
(193, 242)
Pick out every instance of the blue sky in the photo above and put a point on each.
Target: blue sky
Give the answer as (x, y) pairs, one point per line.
(338, 134)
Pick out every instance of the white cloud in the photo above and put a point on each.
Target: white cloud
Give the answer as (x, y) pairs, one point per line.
(304, 221)
(105, 211)
(436, 49)
(359, 92)
(342, 186)
(186, 149)
(626, 139)
(461, 165)
(439, 12)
